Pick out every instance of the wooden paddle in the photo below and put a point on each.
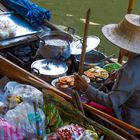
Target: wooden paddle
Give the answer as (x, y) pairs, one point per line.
(75, 95)
(130, 6)
(84, 44)
(14, 72)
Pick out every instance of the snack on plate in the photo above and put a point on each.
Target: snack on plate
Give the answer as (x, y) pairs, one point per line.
(65, 82)
(97, 72)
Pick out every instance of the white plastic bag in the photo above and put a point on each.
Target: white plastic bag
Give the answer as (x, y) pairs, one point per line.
(24, 118)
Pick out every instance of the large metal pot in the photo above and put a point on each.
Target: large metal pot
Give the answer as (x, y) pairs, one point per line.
(92, 58)
(55, 45)
(48, 69)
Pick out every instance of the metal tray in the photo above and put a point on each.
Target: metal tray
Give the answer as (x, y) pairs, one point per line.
(23, 28)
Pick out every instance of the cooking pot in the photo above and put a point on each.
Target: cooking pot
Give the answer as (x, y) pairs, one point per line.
(92, 58)
(48, 69)
(55, 45)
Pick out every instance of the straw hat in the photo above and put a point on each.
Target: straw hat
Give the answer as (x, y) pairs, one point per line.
(126, 34)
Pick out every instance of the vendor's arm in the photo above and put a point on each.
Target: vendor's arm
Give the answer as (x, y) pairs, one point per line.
(98, 96)
(116, 97)
(92, 93)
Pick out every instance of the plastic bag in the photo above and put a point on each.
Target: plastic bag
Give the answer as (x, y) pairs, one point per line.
(9, 132)
(3, 108)
(28, 93)
(25, 118)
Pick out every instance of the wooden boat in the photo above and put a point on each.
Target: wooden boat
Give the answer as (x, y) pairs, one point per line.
(14, 72)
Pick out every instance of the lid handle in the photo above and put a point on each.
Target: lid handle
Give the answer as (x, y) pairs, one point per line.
(35, 70)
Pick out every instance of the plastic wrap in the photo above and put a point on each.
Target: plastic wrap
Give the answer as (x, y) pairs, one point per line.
(3, 108)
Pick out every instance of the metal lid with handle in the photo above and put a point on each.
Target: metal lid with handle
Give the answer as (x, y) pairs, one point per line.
(49, 67)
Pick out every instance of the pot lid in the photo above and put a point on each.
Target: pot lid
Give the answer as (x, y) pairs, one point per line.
(49, 67)
(92, 43)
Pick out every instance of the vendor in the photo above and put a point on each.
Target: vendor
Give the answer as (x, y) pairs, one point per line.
(124, 97)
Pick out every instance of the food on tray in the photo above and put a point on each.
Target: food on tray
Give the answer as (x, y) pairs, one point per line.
(65, 81)
(97, 72)
(86, 78)
(7, 29)
(112, 66)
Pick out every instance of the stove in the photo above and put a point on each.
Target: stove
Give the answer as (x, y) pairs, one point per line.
(23, 55)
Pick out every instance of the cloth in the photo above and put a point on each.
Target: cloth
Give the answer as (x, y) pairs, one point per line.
(34, 13)
(100, 107)
(125, 95)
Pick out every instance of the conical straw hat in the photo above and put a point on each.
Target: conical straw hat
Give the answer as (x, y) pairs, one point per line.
(126, 34)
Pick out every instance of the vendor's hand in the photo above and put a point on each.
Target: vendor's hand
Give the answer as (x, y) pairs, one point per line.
(80, 83)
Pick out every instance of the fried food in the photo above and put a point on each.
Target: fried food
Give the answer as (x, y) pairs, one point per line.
(96, 72)
(89, 74)
(66, 82)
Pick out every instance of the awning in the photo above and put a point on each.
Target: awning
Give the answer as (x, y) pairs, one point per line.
(32, 12)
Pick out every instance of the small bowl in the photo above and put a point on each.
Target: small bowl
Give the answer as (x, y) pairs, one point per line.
(55, 84)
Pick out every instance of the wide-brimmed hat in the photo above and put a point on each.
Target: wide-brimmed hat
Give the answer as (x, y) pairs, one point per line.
(126, 34)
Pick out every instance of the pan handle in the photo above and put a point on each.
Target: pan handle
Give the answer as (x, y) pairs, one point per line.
(107, 58)
(71, 30)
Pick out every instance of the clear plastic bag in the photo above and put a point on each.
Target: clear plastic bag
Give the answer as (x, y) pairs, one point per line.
(25, 118)
(27, 92)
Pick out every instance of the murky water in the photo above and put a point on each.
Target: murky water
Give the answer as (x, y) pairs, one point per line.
(72, 13)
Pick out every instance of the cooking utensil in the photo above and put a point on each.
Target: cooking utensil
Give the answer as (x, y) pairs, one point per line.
(108, 58)
(102, 60)
(95, 59)
(48, 69)
(92, 58)
(55, 45)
